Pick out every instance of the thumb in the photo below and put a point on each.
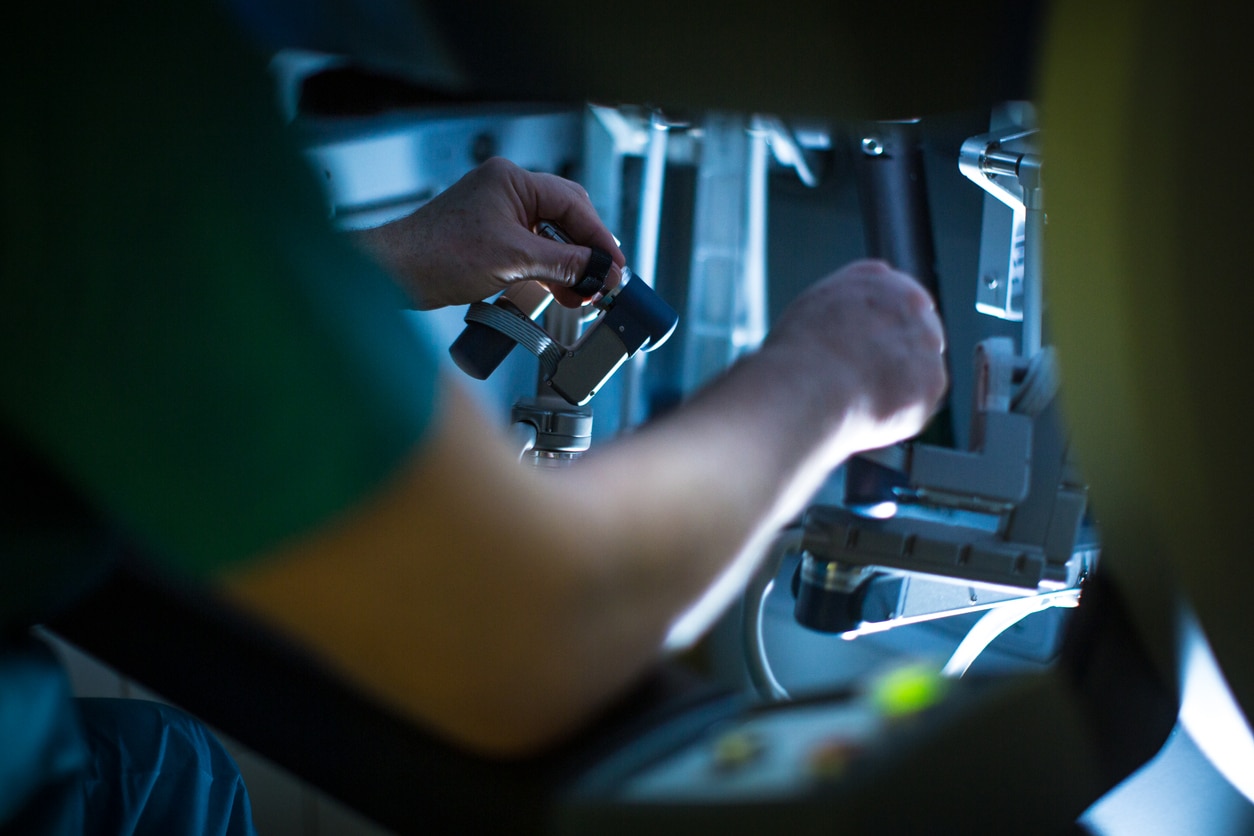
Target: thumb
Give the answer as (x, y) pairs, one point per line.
(571, 271)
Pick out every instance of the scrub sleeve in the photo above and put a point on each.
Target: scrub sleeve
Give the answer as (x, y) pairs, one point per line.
(188, 353)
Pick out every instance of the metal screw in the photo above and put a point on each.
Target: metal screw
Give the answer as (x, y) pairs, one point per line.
(990, 281)
(872, 147)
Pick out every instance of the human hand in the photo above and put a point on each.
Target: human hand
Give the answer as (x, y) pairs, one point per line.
(477, 237)
(868, 337)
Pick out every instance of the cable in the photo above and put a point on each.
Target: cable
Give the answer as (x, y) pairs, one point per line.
(997, 621)
(756, 593)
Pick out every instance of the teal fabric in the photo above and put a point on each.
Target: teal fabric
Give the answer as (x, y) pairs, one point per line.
(41, 741)
(132, 766)
(182, 336)
(152, 770)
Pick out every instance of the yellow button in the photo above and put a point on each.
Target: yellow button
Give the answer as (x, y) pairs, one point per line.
(737, 749)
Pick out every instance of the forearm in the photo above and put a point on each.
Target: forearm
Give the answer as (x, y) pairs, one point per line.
(678, 514)
(505, 606)
(710, 485)
(392, 246)
(621, 546)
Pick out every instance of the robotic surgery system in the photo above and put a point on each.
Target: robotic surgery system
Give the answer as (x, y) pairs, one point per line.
(924, 577)
(726, 216)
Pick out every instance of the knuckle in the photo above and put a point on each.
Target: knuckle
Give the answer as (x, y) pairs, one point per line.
(571, 268)
(870, 266)
(498, 168)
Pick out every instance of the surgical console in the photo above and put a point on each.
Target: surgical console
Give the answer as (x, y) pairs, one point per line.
(938, 644)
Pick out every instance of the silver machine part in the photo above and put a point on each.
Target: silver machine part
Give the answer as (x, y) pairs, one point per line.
(649, 228)
(999, 526)
(1005, 163)
(600, 353)
(560, 433)
(1017, 472)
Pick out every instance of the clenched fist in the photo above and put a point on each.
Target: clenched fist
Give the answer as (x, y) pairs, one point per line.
(871, 337)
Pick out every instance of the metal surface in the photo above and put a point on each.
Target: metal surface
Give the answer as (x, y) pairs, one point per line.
(557, 426)
(648, 231)
(893, 190)
(727, 273)
(633, 319)
(1022, 535)
(377, 168)
(1005, 164)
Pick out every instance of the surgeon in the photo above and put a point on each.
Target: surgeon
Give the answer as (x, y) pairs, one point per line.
(192, 362)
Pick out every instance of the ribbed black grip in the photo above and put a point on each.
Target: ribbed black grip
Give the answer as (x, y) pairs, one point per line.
(594, 277)
(478, 350)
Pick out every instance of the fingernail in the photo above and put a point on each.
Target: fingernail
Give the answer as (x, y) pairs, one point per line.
(613, 277)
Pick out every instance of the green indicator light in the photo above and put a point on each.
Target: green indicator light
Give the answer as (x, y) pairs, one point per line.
(907, 690)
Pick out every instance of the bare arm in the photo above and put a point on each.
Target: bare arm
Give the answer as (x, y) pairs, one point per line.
(504, 607)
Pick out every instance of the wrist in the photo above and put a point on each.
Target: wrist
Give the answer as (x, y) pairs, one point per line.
(789, 406)
(815, 388)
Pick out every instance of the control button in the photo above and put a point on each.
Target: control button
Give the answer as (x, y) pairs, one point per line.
(907, 690)
(736, 750)
(828, 760)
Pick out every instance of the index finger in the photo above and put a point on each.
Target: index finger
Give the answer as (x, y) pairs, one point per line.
(566, 203)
